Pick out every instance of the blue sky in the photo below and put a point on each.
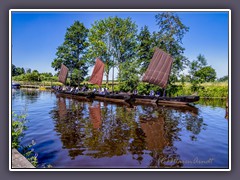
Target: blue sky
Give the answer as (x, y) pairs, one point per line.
(36, 35)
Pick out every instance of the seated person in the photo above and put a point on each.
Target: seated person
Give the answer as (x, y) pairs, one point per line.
(151, 93)
(72, 89)
(76, 90)
(106, 91)
(94, 90)
(135, 92)
(158, 94)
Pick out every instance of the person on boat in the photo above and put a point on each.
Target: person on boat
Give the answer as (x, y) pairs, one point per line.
(72, 89)
(94, 90)
(106, 91)
(60, 88)
(152, 93)
(158, 94)
(102, 91)
(135, 92)
(76, 90)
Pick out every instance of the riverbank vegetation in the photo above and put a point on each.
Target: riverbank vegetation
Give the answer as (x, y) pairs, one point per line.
(18, 128)
(17, 132)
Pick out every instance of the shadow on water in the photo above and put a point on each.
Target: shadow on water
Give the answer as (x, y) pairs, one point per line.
(101, 130)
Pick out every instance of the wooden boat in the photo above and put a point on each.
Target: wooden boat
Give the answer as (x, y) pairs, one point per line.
(80, 96)
(157, 73)
(90, 96)
(118, 98)
(176, 101)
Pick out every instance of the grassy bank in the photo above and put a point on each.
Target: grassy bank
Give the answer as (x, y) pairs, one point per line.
(207, 90)
(215, 89)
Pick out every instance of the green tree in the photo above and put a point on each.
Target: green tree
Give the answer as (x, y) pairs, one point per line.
(114, 41)
(206, 74)
(223, 79)
(145, 48)
(100, 45)
(33, 76)
(199, 72)
(129, 79)
(28, 70)
(72, 53)
(14, 70)
(169, 38)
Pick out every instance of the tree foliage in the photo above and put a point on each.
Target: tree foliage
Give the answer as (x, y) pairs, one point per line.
(223, 79)
(72, 53)
(145, 48)
(169, 38)
(16, 71)
(113, 40)
(129, 79)
(206, 74)
(200, 72)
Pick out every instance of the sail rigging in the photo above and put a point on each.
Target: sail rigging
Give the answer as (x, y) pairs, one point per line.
(97, 74)
(159, 68)
(62, 77)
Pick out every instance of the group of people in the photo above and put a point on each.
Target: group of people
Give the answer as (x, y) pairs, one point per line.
(84, 88)
(101, 91)
(152, 93)
(70, 89)
(105, 91)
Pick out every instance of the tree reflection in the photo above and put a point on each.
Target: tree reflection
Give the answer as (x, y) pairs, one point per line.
(103, 130)
(30, 95)
(69, 119)
(112, 138)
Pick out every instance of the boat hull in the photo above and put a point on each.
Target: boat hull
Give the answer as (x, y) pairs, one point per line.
(177, 101)
(132, 99)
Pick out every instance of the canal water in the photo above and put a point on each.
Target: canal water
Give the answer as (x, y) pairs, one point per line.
(71, 133)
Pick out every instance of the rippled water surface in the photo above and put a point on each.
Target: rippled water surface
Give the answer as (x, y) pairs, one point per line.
(71, 133)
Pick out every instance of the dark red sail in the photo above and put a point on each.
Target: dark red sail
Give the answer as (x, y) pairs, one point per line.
(97, 74)
(62, 77)
(159, 68)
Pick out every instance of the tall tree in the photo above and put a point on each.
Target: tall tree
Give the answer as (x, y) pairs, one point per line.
(199, 72)
(100, 45)
(145, 48)
(206, 74)
(169, 38)
(13, 70)
(114, 40)
(18, 71)
(72, 53)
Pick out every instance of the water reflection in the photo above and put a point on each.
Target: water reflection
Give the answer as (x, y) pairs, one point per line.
(30, 95)
(102, 130)
(69, 118)
(95, 116)
(213, 102)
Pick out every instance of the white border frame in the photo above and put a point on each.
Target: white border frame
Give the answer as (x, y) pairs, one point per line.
(118, 10)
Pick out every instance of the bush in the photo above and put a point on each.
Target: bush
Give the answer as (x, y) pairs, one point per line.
(18, 126)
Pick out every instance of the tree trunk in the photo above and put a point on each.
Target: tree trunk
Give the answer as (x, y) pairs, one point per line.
(107, 79)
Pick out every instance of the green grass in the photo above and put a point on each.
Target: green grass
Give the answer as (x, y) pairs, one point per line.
(214, 89)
